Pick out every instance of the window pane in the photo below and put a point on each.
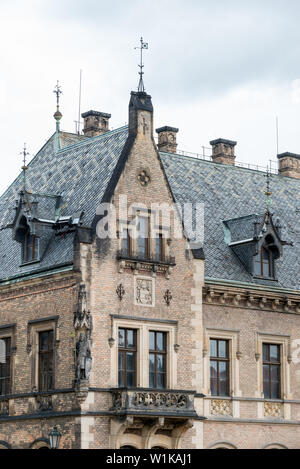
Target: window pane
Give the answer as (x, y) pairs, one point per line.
(222, 370)
(125, 240)
(213, 369)
(266, 352)
(2, 351)
(160, 363)
(121, 379)
(130, 379)
(151, 380)
(223, 388)
(44, 341)
(160, 341)
(121, 337)
(130, 359)
(222, 349)
(214, 387)
(275, 373)
(130, 338)
(158, 248)
(160, 380)
(265, 255)
(265, 372)
(274, 353)
(213, 348)
(275, 391)
(151, 362)
(151, 340)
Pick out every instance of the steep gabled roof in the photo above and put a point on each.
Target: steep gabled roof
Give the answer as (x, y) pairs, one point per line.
(80, 173)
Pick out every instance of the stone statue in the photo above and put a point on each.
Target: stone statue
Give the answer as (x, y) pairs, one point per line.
(84, 359)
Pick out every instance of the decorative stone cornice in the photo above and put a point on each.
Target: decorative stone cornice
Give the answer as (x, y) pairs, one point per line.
(235, 297)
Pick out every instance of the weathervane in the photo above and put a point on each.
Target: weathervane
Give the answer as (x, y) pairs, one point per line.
(57, 115)
(144, 45)
(24, 167)
(268, 192)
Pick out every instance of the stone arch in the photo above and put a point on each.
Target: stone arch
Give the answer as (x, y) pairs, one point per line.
(4, 445)
(222, 445)
(275, 446)
(129, 440)
(40, 443)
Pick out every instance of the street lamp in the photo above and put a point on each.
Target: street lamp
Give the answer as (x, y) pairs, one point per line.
(54, 437)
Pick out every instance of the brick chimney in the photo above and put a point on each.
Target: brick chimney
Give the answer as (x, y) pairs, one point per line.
(223, 151)
(95, 123)
(167, 139)
(289, 165)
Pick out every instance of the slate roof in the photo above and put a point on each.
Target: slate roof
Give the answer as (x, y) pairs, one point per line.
(80, 173)
(82, 168)
(231, 192)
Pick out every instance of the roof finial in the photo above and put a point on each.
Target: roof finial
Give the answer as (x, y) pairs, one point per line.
(57, 115)
(24, 167)
(144, 45)
(268, 192)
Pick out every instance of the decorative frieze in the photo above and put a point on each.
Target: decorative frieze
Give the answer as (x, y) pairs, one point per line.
(237, 298)
(273, 409)
(148, 402)
(221, 407)
(152, 399)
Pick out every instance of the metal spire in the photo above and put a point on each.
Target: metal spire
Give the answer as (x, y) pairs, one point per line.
(24, 167)
(57, 115)
(144, 45)
(268, 192)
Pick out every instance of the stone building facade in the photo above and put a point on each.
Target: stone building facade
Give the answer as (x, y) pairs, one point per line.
(148, 338)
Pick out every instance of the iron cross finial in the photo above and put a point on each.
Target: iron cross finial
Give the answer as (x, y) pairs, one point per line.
(144, 45)
(268, 192)
(24, 153)
(57, 91)
(57, 115)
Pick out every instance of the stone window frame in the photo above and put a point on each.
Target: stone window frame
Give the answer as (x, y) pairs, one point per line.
(143, 326)
(285, 361)
(233, 337)
(9, 331)
(34, 327)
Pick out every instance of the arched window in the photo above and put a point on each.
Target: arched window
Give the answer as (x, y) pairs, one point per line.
(128, 447)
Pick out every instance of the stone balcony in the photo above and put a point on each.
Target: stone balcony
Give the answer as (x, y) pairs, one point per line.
(156, 403)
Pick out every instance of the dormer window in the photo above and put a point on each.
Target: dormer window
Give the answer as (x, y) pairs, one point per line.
(30, 248)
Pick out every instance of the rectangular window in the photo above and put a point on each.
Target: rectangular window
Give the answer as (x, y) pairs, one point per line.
(46, 357)
(127, 358)
(143, 237)
(157, 359)
(5, 365)
(219, 367)
(271, 371)
(30, 251)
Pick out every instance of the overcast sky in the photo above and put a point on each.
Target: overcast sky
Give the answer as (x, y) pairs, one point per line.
(214, 68)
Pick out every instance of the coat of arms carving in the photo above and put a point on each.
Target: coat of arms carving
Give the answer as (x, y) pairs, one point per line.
(144, 292)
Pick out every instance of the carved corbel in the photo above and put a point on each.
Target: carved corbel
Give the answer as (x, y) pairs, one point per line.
(237, 299)
(287, 304)
(210, 295)
(298, 308)
(250, 300)
(275, 304)
(121, 266)
(257, 356)
(224, 298)
(262, 302)
(239, 355)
